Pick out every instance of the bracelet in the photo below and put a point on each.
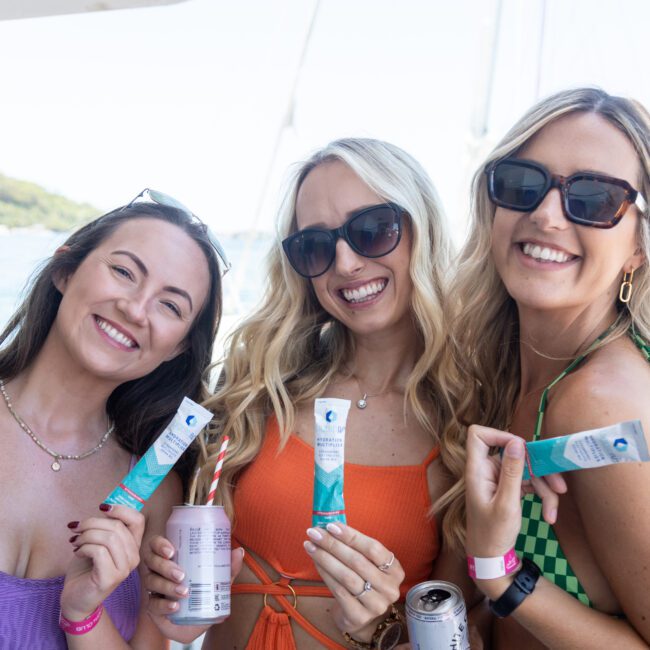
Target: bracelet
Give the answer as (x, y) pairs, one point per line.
(487, 568)
(80, 627)
(386, 636)
(513, 596)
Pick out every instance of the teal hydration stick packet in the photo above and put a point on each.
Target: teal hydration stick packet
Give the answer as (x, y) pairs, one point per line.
(139, 484)
(620, 443)
(329, 453)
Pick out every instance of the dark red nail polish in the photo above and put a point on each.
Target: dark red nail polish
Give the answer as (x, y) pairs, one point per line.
(73, 524)
(105, 507)
(72, 539)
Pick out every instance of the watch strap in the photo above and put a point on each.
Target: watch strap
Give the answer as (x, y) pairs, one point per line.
(523, 585)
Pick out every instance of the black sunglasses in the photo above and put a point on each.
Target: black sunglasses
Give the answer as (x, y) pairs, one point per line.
(371, 232)
(164, 199)
(588, 199)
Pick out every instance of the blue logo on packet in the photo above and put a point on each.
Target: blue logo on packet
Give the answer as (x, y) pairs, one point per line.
(330, 416)
(190, 420)
(620, 444)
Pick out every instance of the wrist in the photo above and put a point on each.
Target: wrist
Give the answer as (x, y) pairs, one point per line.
(79, 626)
(494, 587)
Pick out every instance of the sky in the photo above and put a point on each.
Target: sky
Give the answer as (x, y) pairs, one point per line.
(211, 101)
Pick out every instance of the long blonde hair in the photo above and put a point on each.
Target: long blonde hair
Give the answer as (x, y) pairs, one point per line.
(484, 364)
(290, 348)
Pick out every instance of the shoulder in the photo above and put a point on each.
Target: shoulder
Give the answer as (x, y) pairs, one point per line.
(610, 387)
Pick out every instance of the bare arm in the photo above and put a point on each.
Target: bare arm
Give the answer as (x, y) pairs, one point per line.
(557, 619)
(107, 552)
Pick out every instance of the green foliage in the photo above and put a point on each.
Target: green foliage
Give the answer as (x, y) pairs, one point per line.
(24, 204)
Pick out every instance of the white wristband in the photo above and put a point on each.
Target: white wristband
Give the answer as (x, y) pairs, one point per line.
(487, 568)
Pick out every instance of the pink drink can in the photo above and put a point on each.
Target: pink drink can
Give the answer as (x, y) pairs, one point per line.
(201, 538)
(436, 617)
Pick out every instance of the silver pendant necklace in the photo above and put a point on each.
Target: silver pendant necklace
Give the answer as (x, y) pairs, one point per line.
(56, 465)
(362, 402)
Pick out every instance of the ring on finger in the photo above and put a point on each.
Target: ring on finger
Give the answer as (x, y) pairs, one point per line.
(387, 565)
(366, 588)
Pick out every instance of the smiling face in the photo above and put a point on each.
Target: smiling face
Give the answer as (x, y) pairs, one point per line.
(547, 262)
(130, 304)
(367, 295)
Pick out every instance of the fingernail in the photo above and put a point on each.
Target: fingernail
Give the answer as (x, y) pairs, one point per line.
(172, 605)
(243, 552)
(105, 507)
(181, 591)
(334, 529)
(314, 534)
(73, 524)
(177, 575)
(72, 539)
(309, 547)
(515, 449)
(169, 552)
(553, 515)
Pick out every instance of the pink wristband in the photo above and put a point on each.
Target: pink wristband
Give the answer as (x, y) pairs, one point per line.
(487, 568)
(81, 627)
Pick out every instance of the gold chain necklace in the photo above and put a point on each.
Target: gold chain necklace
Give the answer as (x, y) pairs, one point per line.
(56, 465)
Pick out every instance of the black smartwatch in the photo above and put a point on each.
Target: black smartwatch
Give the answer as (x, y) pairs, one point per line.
(523, 586)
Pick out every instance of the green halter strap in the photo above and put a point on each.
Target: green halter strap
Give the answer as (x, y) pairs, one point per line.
(576, 362)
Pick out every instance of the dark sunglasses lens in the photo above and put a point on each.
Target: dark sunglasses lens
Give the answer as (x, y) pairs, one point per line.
(517, 186)
(375, 232)
(594, 200)
(310, 252)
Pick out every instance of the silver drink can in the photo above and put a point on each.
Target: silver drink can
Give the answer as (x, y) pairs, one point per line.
(201, 539)
(436, 617)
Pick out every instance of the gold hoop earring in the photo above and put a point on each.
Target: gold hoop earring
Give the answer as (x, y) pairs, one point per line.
(625, 292)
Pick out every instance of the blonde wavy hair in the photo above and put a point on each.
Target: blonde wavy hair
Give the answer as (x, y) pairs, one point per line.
(483, 364)
(290, 348)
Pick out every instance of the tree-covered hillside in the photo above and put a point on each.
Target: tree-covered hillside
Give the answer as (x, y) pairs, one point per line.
(24, 204)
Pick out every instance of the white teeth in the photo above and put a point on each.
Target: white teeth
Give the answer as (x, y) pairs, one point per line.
(364, 293)
(545, 254)
(115, 334)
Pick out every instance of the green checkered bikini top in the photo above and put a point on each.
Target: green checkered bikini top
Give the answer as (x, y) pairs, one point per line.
(537, 540)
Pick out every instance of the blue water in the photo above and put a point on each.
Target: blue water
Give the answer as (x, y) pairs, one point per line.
(22, 250)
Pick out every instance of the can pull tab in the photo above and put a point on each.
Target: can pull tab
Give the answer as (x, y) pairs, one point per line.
(433, 598)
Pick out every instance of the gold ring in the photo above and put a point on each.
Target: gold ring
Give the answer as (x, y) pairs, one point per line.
(290, 588)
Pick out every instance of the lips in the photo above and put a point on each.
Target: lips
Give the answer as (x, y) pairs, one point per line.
(364, 292)
(545, 253)
(115, 333)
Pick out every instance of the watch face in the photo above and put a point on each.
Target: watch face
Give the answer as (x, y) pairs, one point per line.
(390, 636)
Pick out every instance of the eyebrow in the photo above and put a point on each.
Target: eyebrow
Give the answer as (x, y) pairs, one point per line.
(143, 269)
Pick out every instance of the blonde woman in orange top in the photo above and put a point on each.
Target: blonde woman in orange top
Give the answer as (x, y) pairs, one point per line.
(353, 310)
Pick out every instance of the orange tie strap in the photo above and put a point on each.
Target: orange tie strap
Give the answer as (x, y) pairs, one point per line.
(273, 628)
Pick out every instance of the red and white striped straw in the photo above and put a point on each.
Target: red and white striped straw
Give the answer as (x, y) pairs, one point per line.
(217, 470)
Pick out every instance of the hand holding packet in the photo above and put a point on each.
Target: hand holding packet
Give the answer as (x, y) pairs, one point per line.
(620, 443)
(139, 484)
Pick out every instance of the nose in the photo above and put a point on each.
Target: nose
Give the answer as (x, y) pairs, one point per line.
(549, 214)
(134, 308)
(347, 262)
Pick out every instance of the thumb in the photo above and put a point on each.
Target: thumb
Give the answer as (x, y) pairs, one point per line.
(512, 469)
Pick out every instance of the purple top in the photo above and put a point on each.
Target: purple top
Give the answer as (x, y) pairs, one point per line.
(29, 611)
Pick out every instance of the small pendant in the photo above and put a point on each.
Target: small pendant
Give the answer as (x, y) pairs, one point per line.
(56, 465)
(361, 403)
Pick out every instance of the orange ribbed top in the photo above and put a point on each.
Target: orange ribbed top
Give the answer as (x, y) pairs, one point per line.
(273, 505)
